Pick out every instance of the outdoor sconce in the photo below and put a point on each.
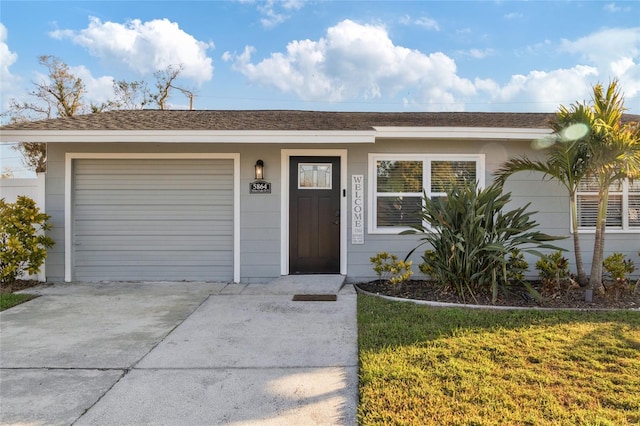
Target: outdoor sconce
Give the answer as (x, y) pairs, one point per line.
(259, 170)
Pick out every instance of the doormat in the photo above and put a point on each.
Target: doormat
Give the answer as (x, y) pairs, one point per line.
(315, 297)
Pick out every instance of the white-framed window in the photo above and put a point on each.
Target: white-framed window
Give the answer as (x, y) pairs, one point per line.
(623, 207)
(397, 181)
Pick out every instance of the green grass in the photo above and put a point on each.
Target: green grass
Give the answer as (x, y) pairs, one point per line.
(8, 300)
(424, 365)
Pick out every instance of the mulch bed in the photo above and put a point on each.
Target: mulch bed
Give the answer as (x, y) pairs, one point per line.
(18, 285)
(517, 296)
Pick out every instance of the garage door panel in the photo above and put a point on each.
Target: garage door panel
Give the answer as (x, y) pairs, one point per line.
(148, 228)
(153, 213)
(169, 197)
(176, 184)
(175, 167)
(153, 219)
(165, 273)
(191, 262)
(176, 244)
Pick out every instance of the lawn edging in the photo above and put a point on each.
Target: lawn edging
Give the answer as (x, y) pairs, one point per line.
(494, 307)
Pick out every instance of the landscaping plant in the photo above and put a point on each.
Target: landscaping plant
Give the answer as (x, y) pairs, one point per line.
(23, 243)
(619, 268)
(516, 267)
(389, 267)
(473, 236)
(427, 266)
(553, 270)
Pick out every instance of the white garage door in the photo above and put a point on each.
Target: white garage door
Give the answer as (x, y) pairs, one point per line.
(153, 219)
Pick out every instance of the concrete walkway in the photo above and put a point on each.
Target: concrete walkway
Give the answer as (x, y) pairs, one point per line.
(181, 354)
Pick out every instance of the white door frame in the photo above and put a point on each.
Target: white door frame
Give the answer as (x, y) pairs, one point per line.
(285, 156)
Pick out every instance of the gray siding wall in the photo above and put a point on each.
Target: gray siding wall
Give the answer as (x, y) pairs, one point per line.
(548, 198)
(260, 213)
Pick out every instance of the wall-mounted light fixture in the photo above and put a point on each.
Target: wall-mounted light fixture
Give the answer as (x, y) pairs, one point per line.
(259, 170)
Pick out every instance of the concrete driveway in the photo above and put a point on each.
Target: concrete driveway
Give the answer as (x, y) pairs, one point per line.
(181, 353)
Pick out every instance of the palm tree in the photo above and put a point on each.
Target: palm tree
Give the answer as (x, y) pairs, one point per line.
(566, 161)
(614, 151)
(606, 152)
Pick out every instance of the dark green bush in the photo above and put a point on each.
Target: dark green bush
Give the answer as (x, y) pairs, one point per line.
(516, 267)
(23, 243)
(472, 237)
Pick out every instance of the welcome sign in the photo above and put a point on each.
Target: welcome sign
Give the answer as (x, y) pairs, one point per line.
(357, 209)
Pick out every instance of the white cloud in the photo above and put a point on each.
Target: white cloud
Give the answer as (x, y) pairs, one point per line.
(424, 22)
(8, 81)
(513, 15)
(611, 7)
(480, 53)
(615, 52)
(354, 61)
(360, 62)
(545, 91)
(427, 23)
(144, 47)
(607, 45)
(274, 12)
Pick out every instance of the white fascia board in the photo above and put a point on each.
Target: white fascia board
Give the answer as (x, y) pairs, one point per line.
(460, 133)
(188, 136)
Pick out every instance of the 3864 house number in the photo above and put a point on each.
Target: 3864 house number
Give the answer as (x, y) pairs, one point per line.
(260, 187)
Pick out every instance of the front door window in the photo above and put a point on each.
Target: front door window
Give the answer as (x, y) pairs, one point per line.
(314, 176)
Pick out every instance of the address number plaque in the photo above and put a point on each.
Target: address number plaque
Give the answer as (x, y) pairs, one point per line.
(260, 187)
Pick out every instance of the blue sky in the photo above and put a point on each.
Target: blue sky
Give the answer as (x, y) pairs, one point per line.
(333, 55)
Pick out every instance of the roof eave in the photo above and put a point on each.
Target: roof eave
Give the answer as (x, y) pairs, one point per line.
(270, 136)
(188, 136)
(460, 133)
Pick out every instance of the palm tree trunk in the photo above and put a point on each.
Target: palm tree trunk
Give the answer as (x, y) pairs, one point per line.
(595, 281)
(582, 277)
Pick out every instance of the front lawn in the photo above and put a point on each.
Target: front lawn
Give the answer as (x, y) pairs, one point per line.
(425, 365)
(8, 300)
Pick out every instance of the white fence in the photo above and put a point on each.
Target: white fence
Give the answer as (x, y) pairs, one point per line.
(10, 189)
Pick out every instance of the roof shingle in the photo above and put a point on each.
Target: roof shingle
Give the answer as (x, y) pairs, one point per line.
(281, 120)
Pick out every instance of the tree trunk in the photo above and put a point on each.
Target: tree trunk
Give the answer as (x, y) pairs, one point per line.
(595, 281)
(582, 277)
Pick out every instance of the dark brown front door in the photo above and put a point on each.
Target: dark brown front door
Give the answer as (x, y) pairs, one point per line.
(314, 215)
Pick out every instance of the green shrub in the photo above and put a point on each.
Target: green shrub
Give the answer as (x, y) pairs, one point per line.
(389, 267)
(618, 267)
(24, 245)
(553, 271)
(472, 238)
(427, 266)
(553, 267)
(516, 267)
